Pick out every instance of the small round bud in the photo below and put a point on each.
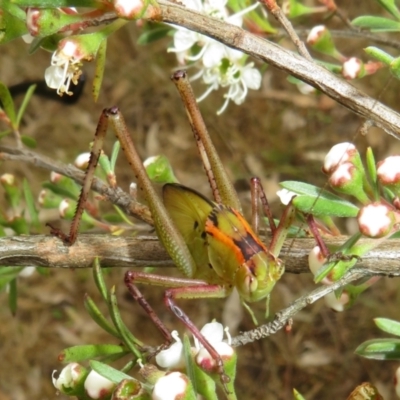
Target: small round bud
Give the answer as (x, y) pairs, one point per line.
(353, 68)
(7, 179)
(82, 160)
(97, 387)
(388, 170)
(32, 18)
(171, 386)
(375, 220)
(337, 304)
(338, 154)
(128, 8)
(315, 34)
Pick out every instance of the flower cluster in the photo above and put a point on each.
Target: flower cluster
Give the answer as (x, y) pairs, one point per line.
(218, 65)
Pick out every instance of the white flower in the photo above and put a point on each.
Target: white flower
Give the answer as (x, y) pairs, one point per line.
(214, 334)
(389, 170)
(173, 356)
(64, 69)
(285, 196)
(352, 68)
(170, 387)
(97, 386)
(69, 376)
(218, 65)
(375, 220)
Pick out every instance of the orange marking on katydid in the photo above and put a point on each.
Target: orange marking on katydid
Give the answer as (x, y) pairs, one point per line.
(245, 246)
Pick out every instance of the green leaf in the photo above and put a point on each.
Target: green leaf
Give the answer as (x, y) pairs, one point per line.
(12, 296)
(7, 104)
(130, 341)
(114, 154)
(297, 395)
(388, 325)
(99, 279)
(390, 7)
(377, 24)
(98, 317)
(63, 191)
(317, 201)
(379, 54)
(12, 22)
(99, 71)
(89, 351)
(8, 274)
(153, 33)
(30, 203)
(380, 349)
(24, 104)
(108, 372)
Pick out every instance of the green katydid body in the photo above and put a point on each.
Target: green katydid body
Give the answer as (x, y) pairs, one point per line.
(224, 247)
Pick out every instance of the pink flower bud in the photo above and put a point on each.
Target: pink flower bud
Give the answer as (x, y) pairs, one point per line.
(337, 304)
(338, 154)
(32, 17)
(375, 220)
(128, 8)
(63, 208)
(315, 34)
(353, 68)
(342, 175)
(389, 170)
(55, 177)
(98, 387)
(82, 160)
(7, 179)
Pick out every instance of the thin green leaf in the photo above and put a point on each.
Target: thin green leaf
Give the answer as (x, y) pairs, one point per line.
(379, 54)
(12, 296)
(8, 274)
(98, 317)
(153, 33)
(297, 395)
(29, 141)
(130, 341)
(390, 7)
(99, 279)
(123, 216)
(99, 71)
(376, 24)
(30, 203)
(190, 366)
(62, 191)
(380, 349)
(388, 325)
(5, 133)
(89, 351)
(7, 103)
(371, 167)
(114, 154)
(25, 103)
(108, 372)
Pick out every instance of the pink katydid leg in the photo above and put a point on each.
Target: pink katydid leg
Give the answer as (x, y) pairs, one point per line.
(279, 232)
(180, 288)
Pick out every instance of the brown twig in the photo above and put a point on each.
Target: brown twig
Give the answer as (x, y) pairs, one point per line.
(116, 195)
(115, 251)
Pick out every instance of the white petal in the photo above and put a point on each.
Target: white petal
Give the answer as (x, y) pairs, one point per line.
(213, 55)
(213, 332)
(252, 78)
(96, 385)
(171, 357)
(170, 387)
(54, 76)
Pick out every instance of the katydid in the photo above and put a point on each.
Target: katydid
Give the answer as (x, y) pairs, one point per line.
(209, 241)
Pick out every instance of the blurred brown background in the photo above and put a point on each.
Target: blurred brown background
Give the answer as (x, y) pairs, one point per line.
(278, 134)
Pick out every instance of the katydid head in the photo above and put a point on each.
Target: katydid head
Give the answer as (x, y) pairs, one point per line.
(256, 277)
